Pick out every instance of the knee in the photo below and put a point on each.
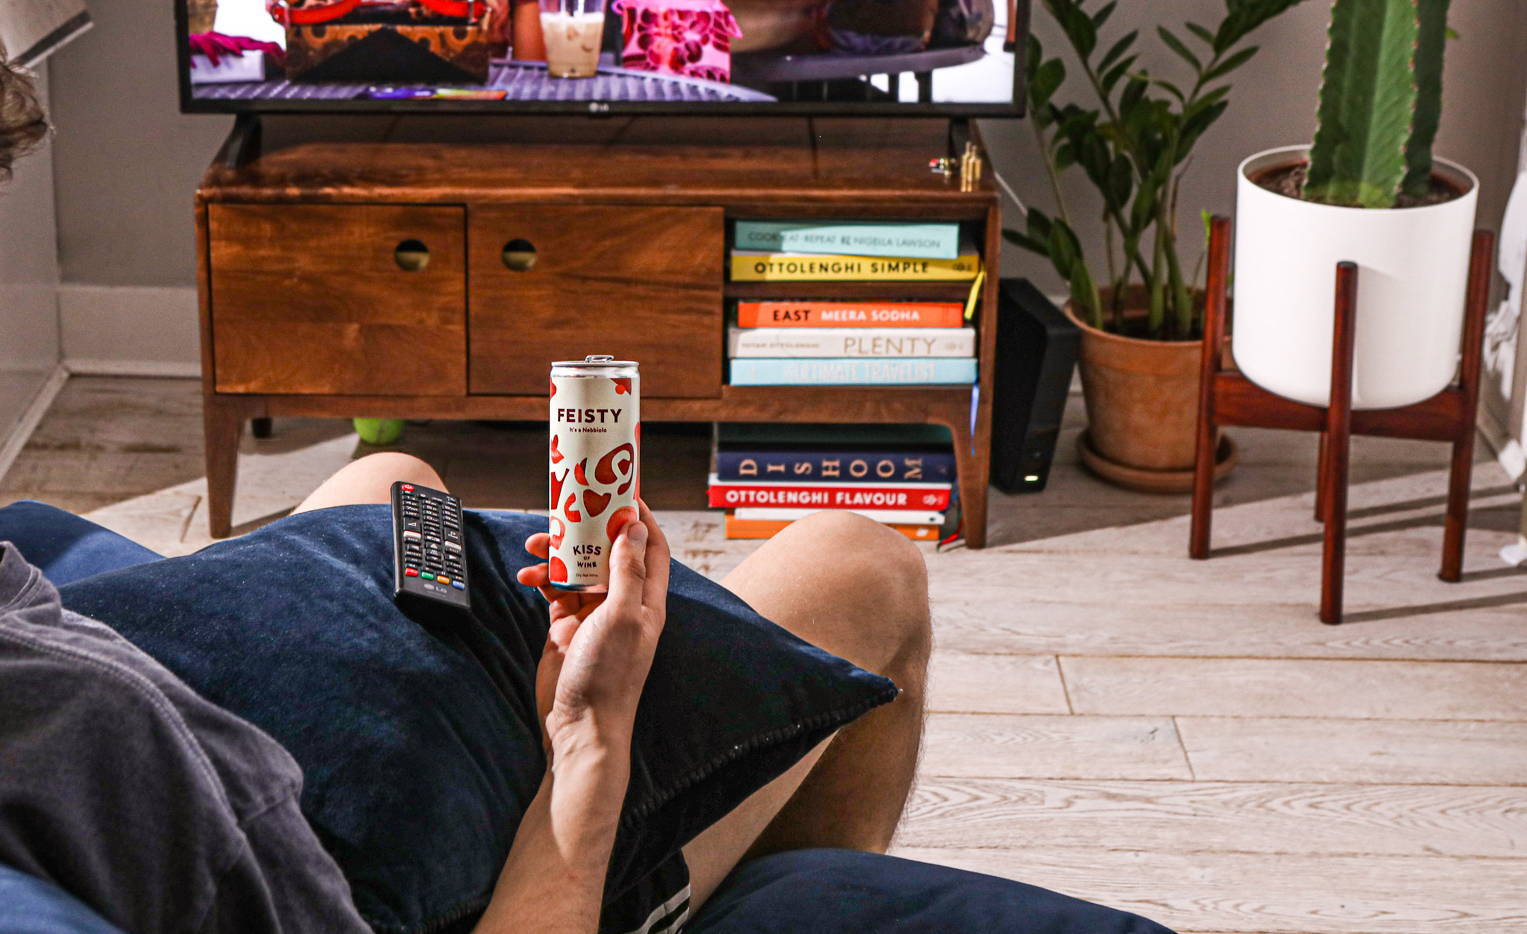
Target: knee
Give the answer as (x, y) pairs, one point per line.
(883, 573)
(395, 465)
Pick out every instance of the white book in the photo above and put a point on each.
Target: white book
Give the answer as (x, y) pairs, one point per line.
(851, 342)
(895, 516)
(713, 480)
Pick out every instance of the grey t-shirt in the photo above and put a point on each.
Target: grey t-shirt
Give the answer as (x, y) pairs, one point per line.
(122, 786)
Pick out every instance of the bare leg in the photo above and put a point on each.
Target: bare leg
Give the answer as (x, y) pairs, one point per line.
(858, 590)
(369, 480)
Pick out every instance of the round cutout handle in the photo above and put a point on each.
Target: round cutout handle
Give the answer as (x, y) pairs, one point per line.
(519, 255)
(411, 255)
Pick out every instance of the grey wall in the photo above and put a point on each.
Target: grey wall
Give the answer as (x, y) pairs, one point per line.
(28, 282)
(1273, 104)
(127, 161)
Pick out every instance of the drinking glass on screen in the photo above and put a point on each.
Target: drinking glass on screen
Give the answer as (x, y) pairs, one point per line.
(574, 31)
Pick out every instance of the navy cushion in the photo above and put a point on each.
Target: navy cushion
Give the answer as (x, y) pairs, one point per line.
(419, 744)
(28, 905)
(64, 546)
(830, 891)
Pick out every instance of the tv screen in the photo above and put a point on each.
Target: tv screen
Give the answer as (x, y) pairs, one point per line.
(882, 57)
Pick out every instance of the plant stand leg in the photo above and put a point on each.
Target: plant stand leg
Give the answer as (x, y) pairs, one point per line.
(1208, 369)
(1320, 471)
(1457, 521)
(1338, 444)
(223, 426)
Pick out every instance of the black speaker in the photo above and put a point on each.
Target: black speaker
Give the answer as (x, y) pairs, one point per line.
(1036, 353)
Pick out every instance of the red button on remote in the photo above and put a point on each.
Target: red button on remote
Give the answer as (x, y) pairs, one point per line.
(407, 488)
(410, 572)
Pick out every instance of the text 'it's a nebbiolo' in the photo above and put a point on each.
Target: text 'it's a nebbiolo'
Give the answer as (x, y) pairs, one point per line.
(595, 466)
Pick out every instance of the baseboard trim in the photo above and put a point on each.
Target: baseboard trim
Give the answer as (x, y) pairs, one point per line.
(1508, 451)
(11, 447)
(129, 330)
(160, 368)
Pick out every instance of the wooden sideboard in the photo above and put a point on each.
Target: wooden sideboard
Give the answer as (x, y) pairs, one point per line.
(433, 267)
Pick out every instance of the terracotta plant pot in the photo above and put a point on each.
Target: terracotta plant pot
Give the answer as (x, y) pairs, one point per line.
(1142, 409)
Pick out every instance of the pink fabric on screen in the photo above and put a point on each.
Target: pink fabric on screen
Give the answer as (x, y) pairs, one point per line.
(214, 45)
(691, 38)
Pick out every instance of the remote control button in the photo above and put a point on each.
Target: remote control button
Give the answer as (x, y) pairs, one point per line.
(407, 488)
(452, 545)
(427, 575)
(442, 578)
(412, 535)
(458, 585)
(410, 572)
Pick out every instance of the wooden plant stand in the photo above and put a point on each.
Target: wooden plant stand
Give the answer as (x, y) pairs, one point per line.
(377, 269)
(1225, 397)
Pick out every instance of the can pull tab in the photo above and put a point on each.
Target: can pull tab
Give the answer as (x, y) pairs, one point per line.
(599, 358)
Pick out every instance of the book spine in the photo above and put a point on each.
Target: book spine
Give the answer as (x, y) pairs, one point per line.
(852, 371)
(924, 241)
(806, 267)
(836, 466)
(815, 314)
(851, 342)
(768, 528)
(826, 497)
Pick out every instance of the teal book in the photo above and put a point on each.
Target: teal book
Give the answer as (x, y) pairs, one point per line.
(863, 238)
(852, 371)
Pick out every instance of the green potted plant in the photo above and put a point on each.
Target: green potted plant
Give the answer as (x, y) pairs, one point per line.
(1368, 190)
(1139, 306)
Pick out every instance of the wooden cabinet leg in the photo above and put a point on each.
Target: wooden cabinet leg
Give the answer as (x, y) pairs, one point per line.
(1338, 445)
(223, 426)
(260, 427)
(974, 470)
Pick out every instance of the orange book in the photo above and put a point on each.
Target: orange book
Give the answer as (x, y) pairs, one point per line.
(815, 314)
(766, 528)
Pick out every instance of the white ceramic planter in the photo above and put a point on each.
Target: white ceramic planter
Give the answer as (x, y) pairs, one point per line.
(1412, 267)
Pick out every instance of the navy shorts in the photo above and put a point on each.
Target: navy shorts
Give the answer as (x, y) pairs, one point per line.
(69, 549)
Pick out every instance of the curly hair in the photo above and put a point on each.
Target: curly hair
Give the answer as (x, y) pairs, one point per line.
(22, 124)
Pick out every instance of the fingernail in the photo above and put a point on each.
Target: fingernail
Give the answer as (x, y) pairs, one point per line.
(637, 533)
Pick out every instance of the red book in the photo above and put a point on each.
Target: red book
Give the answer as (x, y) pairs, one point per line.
(921, 496)
(815, 314)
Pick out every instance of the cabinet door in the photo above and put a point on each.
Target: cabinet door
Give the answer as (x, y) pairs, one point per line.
(347, 299)
(642, 283)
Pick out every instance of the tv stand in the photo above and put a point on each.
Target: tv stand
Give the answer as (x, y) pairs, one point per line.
(366, 274)
(243, 143)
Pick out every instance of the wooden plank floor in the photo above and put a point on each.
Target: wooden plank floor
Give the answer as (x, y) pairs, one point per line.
(1183, 739)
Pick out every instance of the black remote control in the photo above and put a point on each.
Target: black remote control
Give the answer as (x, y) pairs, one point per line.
(427, 551)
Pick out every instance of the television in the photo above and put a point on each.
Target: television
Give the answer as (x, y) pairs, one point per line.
(950, 58)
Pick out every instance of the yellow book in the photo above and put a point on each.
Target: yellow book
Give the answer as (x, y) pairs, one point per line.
(769, 266)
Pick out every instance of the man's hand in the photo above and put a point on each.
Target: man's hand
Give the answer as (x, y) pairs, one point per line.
(600, 646)
(597, 656)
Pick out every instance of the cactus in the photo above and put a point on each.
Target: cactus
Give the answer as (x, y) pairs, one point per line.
(1380, 101)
